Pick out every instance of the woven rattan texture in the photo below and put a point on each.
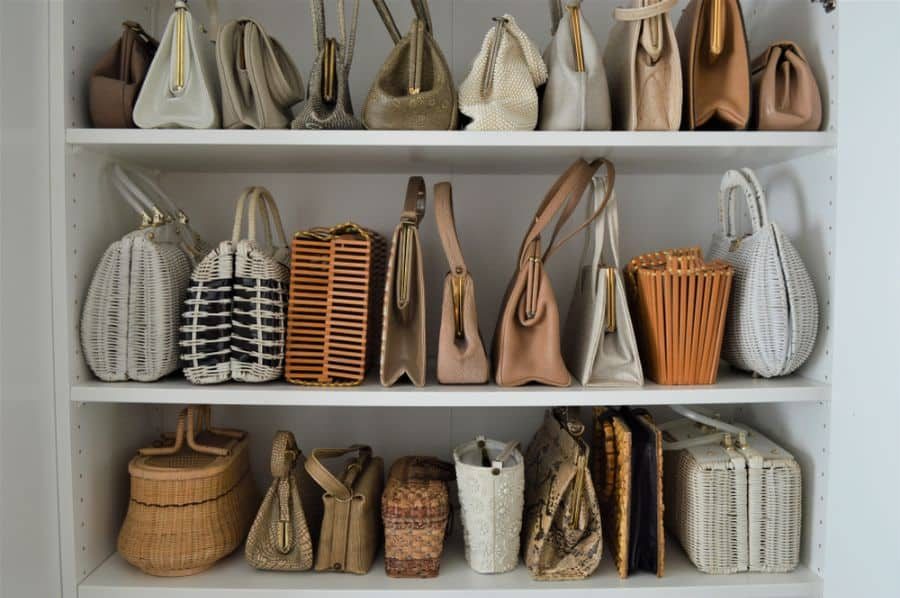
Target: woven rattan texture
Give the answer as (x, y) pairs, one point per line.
(612, 478)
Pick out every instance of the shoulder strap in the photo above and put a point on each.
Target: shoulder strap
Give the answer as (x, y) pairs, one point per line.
(325, 478)
(446, 224)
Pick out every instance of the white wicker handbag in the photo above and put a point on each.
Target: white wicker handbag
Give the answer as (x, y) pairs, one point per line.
(129, 323)
(491, 480)
(732, 496)
(599, 345)
(773, 316)
(500, 92)
(234, 313)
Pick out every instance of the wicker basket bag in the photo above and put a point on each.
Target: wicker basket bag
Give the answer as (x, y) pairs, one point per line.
(334, 306)
(415, 508)
(192, 500)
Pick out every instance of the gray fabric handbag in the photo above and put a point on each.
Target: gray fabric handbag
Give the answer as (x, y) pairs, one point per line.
(329, 105)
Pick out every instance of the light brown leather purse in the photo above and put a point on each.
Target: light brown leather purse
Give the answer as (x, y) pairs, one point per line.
(786, 92)
(351, 524)
(526, 340)
(414, 88)
(461, 357)
(118, 76)
(716, 65)
(403, 328)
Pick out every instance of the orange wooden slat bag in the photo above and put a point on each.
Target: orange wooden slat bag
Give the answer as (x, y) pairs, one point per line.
(334, 305)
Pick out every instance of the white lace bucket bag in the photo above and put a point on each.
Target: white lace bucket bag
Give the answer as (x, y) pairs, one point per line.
(491, 480)
(129, 323)
(773, 316)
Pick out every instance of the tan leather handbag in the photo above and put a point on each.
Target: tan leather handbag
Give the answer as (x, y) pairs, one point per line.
(403, 326)
(644, 68)
(414, 89)
(785, 89)
(461, 357)
(281, 538)
(351, 524)
(562, 535)
(716, 65)
(259, 80)
(526, 340)
(117, 78)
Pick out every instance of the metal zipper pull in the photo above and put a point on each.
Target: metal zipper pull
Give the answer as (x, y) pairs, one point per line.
(487, 82)
(575, 24)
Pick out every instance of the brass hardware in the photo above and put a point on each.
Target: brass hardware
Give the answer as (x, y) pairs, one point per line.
(284, 535)
(610, 299)
(575, 24)
(716, 28)
(578, 490)
(416, 57)
(414, 91)
(404, 263)
(458, 292)
(180, 47)
(329, 74)
(532, 283)
(735, 244)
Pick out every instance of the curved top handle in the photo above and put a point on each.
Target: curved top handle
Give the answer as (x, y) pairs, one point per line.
(284, 454)
(744, 180)
(347, 41)
(446, 224)
(606, 227)
(259, 203)
(724, 430)
(340, 490)
(126, 175)
(150, 213)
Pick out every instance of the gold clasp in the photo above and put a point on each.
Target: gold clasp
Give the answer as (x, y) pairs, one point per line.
(458, 291)
(716, 28)
(284, 536)
(180, 47)
(610, 300)
(329, 75)
(575, 24)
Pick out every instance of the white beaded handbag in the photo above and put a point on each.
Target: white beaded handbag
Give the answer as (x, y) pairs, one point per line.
(234, 313)
(490, 476)
(732, 496)
(129, 323)
(773, 316)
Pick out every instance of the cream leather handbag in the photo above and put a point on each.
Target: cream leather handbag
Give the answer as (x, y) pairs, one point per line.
(599, 344)
(577, 95)
(181, 89)
(500, 92)
(773, 316)
(644, 68)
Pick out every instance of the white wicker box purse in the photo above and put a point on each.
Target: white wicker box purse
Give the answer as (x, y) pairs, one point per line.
(129, 323)
(234, 313)
(773, 316)
(732, 496)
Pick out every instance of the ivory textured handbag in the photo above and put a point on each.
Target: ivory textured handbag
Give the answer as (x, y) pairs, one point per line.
(599, 344)
(234, 314)
(561, 535)
(716, 65)
(490, 476)
(500, 92)
(181, 89)
(644, 68)
(527, 337)
(461, 356)
(329, 105)
(403, 326)
(577, 94)
(259, 80)
(773, 316)
(129, 323)
(351, 523)
(414, 88)
(118, 76)
(785, 90)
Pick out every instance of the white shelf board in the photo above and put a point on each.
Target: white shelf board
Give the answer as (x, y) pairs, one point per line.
(681, 152)
(732, 387)
(234, 578)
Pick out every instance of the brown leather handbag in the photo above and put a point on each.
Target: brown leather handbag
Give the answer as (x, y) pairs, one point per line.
(785, 89)
(461, 357)
(716, 65)
(351, 524)
(414, 88)
(526, 340)
(118, 76)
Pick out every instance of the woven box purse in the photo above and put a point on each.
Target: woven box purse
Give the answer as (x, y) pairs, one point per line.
(334, 305)
(733, 497)
(774, 315)
(233, 320)
(192, 499)
(415, 508)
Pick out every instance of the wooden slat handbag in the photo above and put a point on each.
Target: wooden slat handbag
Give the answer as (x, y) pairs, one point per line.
(527, 337)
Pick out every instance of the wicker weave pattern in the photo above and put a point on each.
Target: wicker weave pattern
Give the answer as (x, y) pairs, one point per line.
(612, 476)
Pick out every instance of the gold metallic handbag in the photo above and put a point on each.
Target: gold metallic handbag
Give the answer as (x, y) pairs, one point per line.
(414, 89)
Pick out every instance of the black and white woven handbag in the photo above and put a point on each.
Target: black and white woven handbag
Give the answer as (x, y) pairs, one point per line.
(129, 323)
(233, 324)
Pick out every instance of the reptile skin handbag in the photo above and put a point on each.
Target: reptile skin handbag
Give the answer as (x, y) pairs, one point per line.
(259, 80)
(785, 90)
(118, 76)
(577, 94)
(329, 105)
(500, 92)
(773, 316)
(716, 65)
(644, 68)
(414, 88)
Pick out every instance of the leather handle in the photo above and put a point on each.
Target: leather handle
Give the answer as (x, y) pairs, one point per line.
(385, 13)
(325, 478)
(647, 11)
(446, 225)
(423, 13)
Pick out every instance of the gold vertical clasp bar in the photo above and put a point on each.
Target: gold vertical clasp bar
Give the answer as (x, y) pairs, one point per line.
(575, 24)
(716, 27)
(578, 490)
(180, 49)
(329, 71)
(458, 292)
(610, 299)
(404, 263)
(284, 536)
(532, 281)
